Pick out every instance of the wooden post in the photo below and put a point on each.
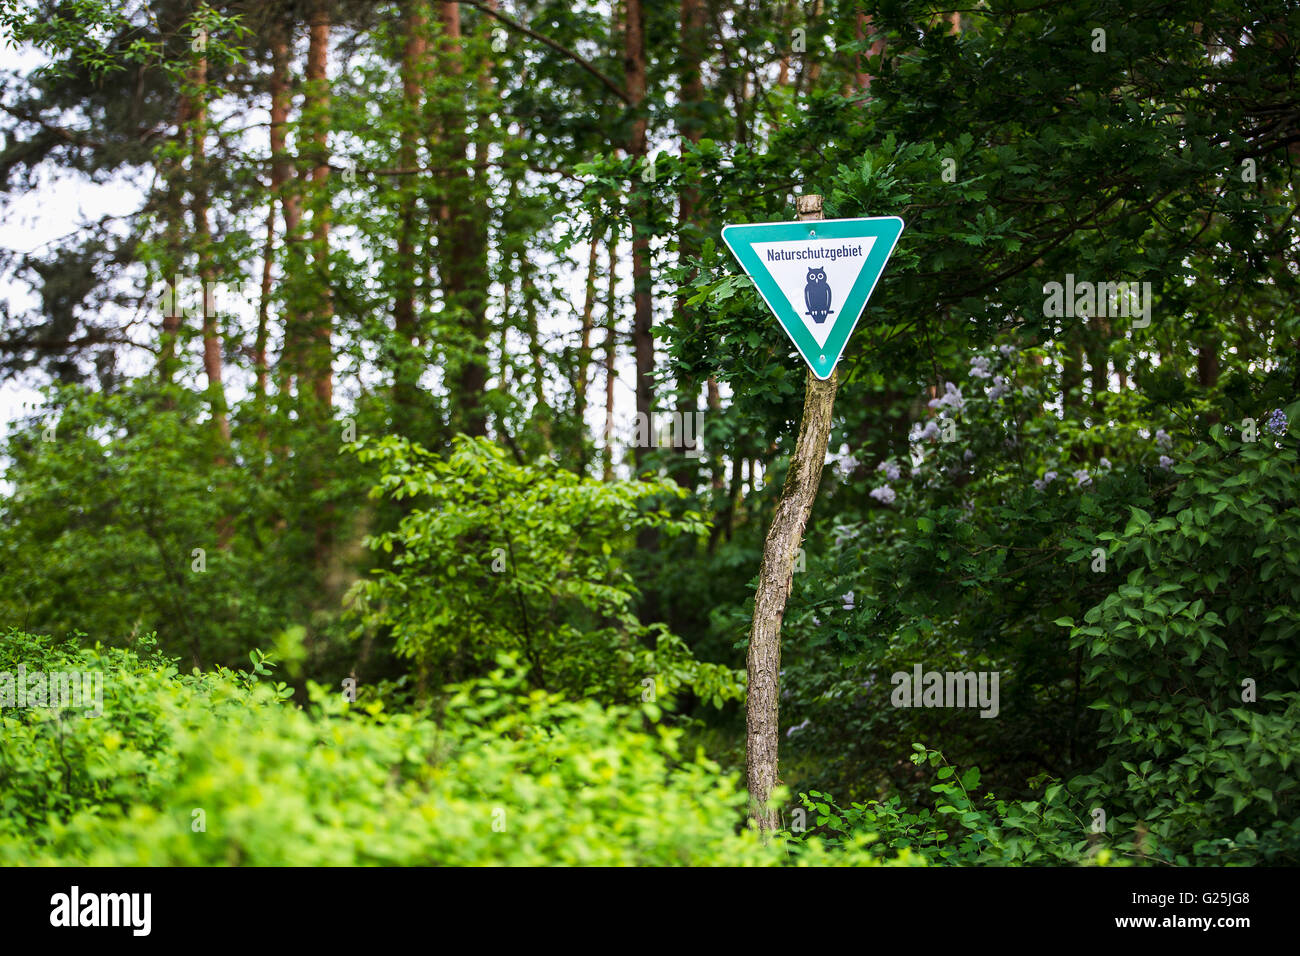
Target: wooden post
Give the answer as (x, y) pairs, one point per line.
(775, 577)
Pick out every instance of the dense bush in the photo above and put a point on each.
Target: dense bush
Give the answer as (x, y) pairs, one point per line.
(966, 828)
(1054, 495)
(496, 556)
(117, 523)
(1189, 661)
(502, 775)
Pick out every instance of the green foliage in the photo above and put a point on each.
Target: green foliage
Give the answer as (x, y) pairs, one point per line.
(965, 829)
(118, 517)
(499, 556)
(1049, 468)
(1197, 598)
(105, 521)
(1191, 659)
(503, 776)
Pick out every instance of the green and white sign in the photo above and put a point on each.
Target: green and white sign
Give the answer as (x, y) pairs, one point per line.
(816, 276)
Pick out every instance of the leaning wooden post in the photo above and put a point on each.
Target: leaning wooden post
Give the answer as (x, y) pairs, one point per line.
(775, 577)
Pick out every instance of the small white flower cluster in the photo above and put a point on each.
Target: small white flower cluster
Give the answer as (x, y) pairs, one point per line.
(1082, 479)
(1163, 441)
(951, 398)
(979, 368)
(884, 494)
(931, 430)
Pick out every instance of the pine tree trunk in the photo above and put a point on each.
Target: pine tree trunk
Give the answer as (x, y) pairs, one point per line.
(173, 253)
(689, 128)
(611, 353)
(580, 378)
(264, 310)
(408, 366)
(462, 241)
(198, 113)
(284, 191)
(634, 63)
(316, 107)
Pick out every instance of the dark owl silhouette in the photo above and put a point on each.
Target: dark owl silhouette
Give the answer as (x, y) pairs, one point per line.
(817, 295)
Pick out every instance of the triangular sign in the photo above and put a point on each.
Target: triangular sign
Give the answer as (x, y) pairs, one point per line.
(816, 276)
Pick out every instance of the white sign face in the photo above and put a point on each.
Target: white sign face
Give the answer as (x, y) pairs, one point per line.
(815, 276)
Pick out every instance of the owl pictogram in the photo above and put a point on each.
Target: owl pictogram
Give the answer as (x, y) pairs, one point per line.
(817, 295)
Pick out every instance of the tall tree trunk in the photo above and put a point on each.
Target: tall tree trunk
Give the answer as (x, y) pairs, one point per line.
(462, 241)
(862, 30)
(634, 63)
(407, 369)
(643, 346)
(264, 311)
(690, 127)
(813, 62)
(1207, 369)
(715, 455)
(285, 191)
(541, 415)
(198, 112)
(317, 107)
(611, 353)
(173, 251)
(580, 378)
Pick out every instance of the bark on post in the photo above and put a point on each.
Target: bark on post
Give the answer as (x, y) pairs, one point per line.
(774, 581)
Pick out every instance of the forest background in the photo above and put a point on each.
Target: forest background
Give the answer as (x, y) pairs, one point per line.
(476, 397)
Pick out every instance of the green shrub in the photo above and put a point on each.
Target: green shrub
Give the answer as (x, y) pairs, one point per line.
(967, 829)
(499, 557)
(1191, 661)
(504, 776)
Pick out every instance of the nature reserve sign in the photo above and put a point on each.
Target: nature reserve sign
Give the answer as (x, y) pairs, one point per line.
(816, 276)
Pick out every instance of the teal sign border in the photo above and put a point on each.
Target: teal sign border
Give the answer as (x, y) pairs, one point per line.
(885, 230)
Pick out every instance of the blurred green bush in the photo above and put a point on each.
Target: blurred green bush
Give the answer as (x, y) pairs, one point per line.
(214, 769)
